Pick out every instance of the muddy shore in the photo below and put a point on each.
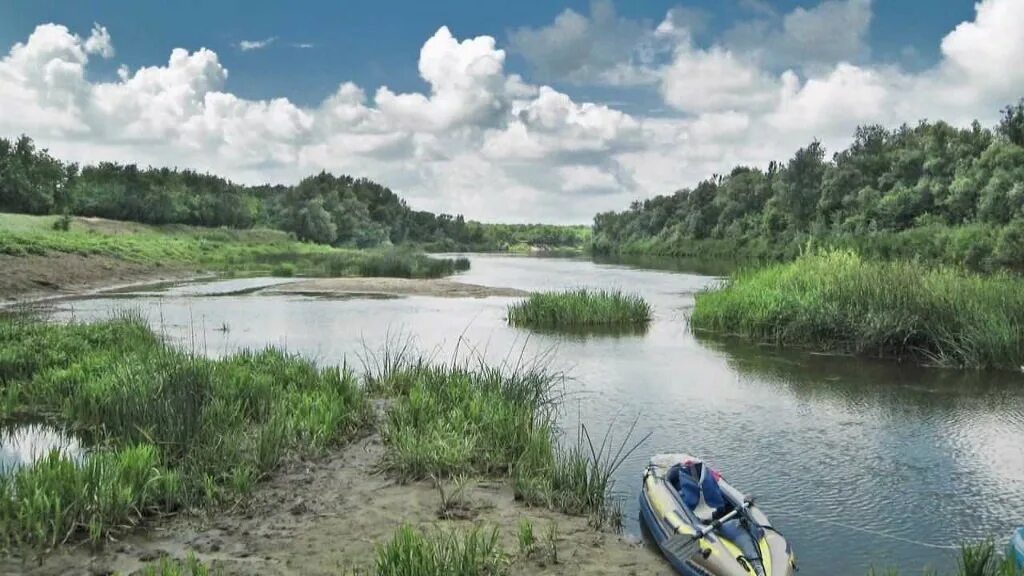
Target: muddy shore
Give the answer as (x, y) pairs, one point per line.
(60, 274)
(443, 288)
(328, 516)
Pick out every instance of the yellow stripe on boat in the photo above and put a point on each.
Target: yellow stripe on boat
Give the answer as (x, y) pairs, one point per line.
(766, 555)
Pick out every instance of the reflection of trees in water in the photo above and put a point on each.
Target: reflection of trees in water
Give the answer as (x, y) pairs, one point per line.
(706, 267)
(867, 380)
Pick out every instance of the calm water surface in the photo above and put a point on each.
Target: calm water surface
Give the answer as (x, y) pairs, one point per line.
(859, 463)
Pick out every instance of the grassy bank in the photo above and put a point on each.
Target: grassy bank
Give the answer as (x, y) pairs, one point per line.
(247, 252)
(580, 308)
(169, 430)
(476, 420)
(839, 301)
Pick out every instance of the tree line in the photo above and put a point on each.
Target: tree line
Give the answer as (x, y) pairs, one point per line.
(930, 191)
(322, 208)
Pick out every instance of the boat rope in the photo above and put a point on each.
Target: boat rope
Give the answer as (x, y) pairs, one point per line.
(874, 532)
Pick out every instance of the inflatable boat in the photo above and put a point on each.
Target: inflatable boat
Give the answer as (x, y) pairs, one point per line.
(704, 526)
(1017, 547)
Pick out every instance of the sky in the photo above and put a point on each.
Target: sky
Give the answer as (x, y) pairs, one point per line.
(513, 111)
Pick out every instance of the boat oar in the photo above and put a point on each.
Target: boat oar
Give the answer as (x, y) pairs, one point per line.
(684, 546)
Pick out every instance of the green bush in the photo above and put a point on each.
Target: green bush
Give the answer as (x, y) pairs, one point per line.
(285, 270)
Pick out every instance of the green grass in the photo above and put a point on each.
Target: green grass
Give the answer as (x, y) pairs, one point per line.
(248, 252)
(191, 566)
(168, 430)
(476, 420)
(580, 308)
(839, 301)
(410, 552)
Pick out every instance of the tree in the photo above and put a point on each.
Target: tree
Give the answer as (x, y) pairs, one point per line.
(315, 224)
(799, 189)
(1011, 126)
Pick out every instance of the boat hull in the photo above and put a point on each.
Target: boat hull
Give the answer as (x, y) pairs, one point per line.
(1017, 547)
(664, 514)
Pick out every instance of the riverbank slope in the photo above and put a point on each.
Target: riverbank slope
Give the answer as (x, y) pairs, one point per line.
(49, 255)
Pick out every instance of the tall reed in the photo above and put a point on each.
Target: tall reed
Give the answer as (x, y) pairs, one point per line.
(580, 308)
(838, 301)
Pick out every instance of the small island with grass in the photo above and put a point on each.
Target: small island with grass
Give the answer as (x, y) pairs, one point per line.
(838, 301)
(581, 309)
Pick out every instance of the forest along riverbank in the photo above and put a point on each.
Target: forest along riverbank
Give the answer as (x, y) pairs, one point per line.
(167, 433)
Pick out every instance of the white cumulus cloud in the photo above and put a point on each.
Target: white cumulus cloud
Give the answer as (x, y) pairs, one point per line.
(490, 144)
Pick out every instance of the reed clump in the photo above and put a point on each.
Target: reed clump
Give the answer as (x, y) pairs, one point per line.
(458, 419)
(169, 430)
(477, 552)
(839, 301)
(580, 308)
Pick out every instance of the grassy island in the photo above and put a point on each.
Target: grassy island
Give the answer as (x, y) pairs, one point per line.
(838, 301)
(580, 309)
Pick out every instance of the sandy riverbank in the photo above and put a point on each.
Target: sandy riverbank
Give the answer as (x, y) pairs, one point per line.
(59, 274)
(327, 517)
(390, 287)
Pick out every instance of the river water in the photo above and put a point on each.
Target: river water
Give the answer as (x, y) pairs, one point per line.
(860, 463)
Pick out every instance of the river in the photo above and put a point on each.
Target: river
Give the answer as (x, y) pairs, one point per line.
(860, 463)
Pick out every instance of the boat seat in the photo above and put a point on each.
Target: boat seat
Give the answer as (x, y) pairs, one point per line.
(699, 490)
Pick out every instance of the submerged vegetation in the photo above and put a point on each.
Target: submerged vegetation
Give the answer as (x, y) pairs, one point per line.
(580, 308)
(839, 301)
(169, 430)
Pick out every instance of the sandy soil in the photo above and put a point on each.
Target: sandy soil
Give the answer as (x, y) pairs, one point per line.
(60, 274)
(390, 287)
(326, 517)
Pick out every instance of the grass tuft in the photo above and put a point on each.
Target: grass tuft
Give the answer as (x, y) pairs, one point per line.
(442, 553)
(580, 308)
(460, 419)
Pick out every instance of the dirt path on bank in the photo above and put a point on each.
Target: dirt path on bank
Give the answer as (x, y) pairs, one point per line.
(390, 287)
(327, 517)
(61, 274)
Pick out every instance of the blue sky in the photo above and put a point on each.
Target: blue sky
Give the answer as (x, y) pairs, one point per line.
(558, 108)
(377, 43)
